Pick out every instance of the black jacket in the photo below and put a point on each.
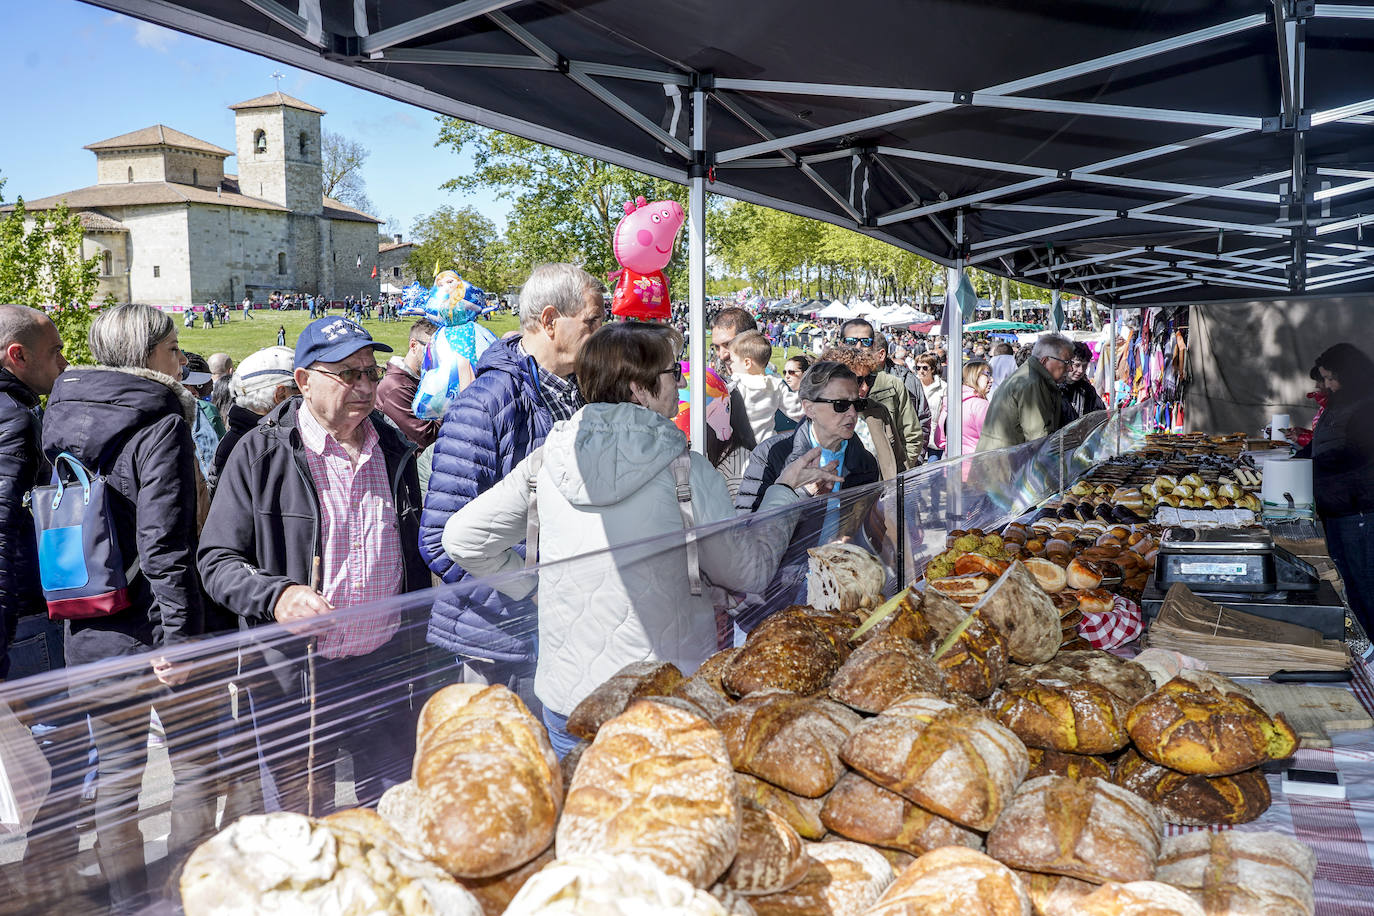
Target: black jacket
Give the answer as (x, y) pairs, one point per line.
(21, 466)
(775, 453)
(134, 425)
(263, 531)
(1079, 399)
(239, 420)
(1343, 456)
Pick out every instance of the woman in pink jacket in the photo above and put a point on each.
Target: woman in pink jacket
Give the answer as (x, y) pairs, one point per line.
(977, 381)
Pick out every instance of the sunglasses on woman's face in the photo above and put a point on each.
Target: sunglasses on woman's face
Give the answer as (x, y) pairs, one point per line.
(792, 372)
(925, 368)
(676, 371)
(842, 405)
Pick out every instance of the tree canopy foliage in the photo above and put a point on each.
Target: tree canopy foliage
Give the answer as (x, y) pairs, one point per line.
(466, 241)
(41, 266)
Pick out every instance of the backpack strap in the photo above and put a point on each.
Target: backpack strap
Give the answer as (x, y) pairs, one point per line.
(682, 474)
(536, 459)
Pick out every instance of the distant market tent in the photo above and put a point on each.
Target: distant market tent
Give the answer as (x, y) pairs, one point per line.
(998, 325)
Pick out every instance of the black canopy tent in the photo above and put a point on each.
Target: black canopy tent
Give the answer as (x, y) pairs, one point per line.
(1165, 152)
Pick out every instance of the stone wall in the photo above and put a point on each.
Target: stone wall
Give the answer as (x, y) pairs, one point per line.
(159, 240)
(200, 169)
(115, 281)
(233, 249)
(352, 242)
(282, 173)
(113, 167)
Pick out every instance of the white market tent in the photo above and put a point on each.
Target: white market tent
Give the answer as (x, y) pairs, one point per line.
(835, 310)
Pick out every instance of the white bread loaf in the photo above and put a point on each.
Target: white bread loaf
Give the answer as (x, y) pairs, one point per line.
(607, 885)
(843, 577)
(954, 881)
(1233, 873)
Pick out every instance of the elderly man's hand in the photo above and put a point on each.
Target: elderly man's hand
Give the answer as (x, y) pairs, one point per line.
(298, 607)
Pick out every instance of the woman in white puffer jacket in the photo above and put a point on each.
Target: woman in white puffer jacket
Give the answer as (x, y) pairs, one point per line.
(605, 478)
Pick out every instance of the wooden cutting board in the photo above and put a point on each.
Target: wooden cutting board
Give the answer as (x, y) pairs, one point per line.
(1314, 712)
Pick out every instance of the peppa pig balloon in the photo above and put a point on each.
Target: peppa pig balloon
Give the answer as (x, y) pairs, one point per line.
(643, 245)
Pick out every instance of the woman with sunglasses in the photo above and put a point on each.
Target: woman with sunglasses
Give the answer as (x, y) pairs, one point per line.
(928, 373)
(605, 478)
(794, 369)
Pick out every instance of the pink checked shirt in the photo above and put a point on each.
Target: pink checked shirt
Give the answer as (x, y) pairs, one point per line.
(361, 537)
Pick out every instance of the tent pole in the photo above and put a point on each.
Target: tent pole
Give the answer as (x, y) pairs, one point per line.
(696, 245)
(954, 353)
(1111, 379)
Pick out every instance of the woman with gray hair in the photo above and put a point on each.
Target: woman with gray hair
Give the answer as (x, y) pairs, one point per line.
(129, 419)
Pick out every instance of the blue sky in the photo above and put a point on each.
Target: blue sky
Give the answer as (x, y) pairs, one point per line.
(76, 74)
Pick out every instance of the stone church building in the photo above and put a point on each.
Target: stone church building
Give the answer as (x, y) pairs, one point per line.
(172, 229)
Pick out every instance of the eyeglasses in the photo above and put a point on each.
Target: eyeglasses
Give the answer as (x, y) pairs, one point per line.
(352, 376)
(675, 370)
(842, 405)
(925, 368)
(793, 371)
(1064, 361)
(859, 341)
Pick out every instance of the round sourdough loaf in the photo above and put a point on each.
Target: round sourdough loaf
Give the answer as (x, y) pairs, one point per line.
(954, 881)
(844, 880)
(973, 657)
(791, 741)
(1138, 898)
(884, 669)
(1058, 763)
(770, 856)
(609, 885)
(1196, 801)
(801, 813)
(864, 811)
(1233, 873)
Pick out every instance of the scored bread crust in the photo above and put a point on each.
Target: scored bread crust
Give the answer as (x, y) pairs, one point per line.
(882, 670)
(1195, 801)
(973, 658)
(1232, 873)
(1077, 717)
(612, 696)
(802, 814)
(770, 857)
(1138, 898)
(1058, 763)
(792, 742)
(864, 811)
(954, 881)
(1024, 613)
(787, 651)
(844, 880)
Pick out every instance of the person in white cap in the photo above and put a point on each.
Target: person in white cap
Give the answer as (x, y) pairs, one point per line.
(262, 381)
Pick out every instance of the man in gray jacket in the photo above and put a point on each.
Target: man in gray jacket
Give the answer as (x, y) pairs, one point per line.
(1026, 406)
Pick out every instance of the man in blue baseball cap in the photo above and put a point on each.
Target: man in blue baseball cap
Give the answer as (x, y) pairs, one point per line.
(318, 510)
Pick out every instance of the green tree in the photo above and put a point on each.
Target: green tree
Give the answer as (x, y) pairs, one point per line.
(462, 240)
(341, 170)
(41, 266)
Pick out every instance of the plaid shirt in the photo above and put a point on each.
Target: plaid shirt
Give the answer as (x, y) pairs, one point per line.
(560, 395)
(361, 537)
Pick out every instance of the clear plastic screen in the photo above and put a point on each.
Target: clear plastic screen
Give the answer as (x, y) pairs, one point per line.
(265, 722)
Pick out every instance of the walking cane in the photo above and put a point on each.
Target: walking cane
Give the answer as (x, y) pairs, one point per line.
(317, 584)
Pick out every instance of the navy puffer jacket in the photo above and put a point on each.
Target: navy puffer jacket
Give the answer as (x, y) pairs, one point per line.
(487, 430)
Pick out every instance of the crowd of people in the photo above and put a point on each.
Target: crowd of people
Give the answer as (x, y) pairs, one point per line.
(299, 483)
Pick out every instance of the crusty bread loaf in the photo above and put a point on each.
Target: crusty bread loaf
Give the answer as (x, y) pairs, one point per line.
(791, 741)
(956, 762)
(616, 693)
(941, 612)
(770, 856)
(568, 765)
(1196, 801)
(1025, 615)
(704, 688)
(489, 780)
(288, 863)
(1077, 717)
(609, 885)
(656, 784)
(844, 880)
(1127, 680)
(904, 618)
(843, 577)
(1083, 828)
(733, 902)
(895, 857)
(955, 881)
(787, 651)
(802, 814)
(495, 894)
(1074, 766)
(399, 806)
(1206, 724)
(1054, 895)
(884, 669)
(1233, 873)
(973, 657)
(1138, 898)
(864, 811)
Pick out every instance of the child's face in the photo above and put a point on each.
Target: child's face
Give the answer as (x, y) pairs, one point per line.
(745, 364)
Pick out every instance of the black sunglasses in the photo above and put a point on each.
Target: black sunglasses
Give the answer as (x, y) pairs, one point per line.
(859, 341)
(842, 405)
(676, 371)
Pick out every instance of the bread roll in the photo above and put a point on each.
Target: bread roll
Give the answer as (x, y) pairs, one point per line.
(955, 881)
(844, 880)
(635, 680)
(489, 781)
(1196, 801)
(1083, 574)
(1138, 898)
(1233, 873)
(802, 814)
(884, 669)
(1057, 763)
(973, 657)
(788, 652)
(792, 742)
(1083, 828)
(1049, 576)
(770, 856)
(1025, 615)
(1205, 724)
(656, 784)
(609, 885)
(1094, 600)
(844, 577)
(866, 812)
(955, 762)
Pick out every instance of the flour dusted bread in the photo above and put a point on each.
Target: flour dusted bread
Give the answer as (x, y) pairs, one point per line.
(1138, 898)
(802, 814)
(703, 687)
(954, 881)
(770, 856)
(1024, 613)
(902, 616)
(791, 741)
(843, 577)
(1206, 724)
(490, 787)
(1057, 763)
(289, 863)
(956, 762)
(1076, 716)
(788, 651)
(941, 611)
(612, 696)
(656, 784)
(844, 880)
(608, 885)
(864, 811)
(1192, 800)
(1083, 828)
(883, 669)
(1054, 895)
(972, 658)
(399, 806)
(1233, 873)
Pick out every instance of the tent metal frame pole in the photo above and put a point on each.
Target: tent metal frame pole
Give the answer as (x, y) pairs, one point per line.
(696, 248)
(285, 18)
(439, 58)
(954, 359)
(1114, 410)
(429, 23)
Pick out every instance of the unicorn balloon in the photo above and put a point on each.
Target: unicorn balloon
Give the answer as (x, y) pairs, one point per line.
(643, 246)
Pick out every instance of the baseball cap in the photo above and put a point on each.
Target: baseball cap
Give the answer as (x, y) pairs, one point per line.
(265, 368)
(328, 340)
(196, 372)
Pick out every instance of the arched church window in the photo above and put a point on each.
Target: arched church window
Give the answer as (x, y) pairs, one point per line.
(107, 263)
(304, 142)
(260, 141)
(131, 174)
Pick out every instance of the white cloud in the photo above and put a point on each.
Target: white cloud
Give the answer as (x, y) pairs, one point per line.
(154, 37)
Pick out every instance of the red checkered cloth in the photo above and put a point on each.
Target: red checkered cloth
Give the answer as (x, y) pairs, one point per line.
(1113, 628)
